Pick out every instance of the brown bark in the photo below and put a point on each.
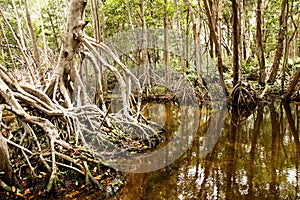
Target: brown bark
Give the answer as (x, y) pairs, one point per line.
(235, 43)
(196, 37)
(101, 80)
(259, 42)
(219, 22)
(292, 85)
(280, 45)
(180, 42)
(144, 43)
(216, 41)
(34, 44)
(166, 44)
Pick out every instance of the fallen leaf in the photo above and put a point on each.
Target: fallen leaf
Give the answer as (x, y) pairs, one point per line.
(27, 191)
(107, 179)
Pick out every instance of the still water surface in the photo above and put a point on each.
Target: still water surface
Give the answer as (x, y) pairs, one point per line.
(256, 156)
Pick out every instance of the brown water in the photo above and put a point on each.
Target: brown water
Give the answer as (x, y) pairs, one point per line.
(256, 156)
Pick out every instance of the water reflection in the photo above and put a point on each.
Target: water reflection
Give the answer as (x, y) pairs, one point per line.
(256, 157)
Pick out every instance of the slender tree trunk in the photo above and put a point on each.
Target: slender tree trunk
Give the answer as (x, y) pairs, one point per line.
(34, 45)
(244, 31)
(241, 36)
(101, 81)
(235, 43)
(196, 38)
(293, 84)
(219, 22)
(144, 43)
(180, 42)
(259, 42)
(166, 44)
(217, 43)
(280, 42)
(187, 30)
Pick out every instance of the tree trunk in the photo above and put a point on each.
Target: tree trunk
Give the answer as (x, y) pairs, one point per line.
(101, 76)
(180, 42)
(217, 43)
(144, 43)
(293, 84)
(219, 22)
(281, 36)
(166, 44)
(34, 44)
(196, 38)
(259, 42)
(65, 72)
(235, 43)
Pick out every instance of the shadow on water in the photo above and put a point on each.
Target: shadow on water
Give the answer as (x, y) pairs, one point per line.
(255, 157)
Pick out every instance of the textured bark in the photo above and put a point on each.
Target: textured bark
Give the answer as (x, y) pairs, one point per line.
(259, 42)
(196, 37)
(34, 44)
(101, 80)
(280, 45)
(166, 44)
(293, 84)
(216, 41)
(235, 43)
(65, 72)
(180, 42)
(144, 62)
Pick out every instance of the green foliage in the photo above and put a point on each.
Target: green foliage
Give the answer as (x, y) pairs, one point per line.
(54, 20)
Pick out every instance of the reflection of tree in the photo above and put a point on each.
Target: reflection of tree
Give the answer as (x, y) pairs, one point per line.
(295, 132)
(274, 185)
(255, 135)
(230, 166)
(291, 122)
(247, 162)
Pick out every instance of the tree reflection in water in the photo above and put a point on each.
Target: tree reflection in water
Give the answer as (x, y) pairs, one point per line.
(256, 157)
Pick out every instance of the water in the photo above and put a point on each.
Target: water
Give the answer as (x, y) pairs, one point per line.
(255, 156)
